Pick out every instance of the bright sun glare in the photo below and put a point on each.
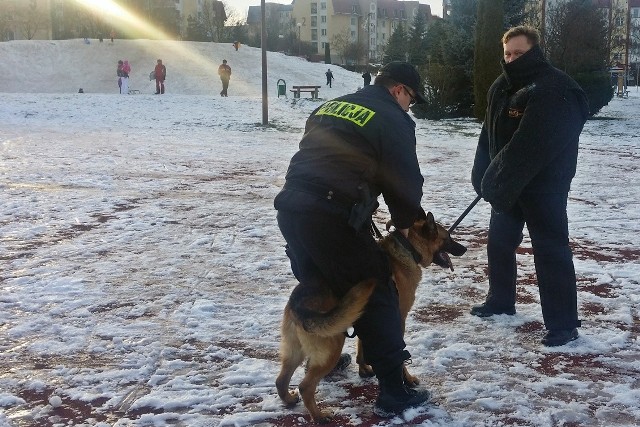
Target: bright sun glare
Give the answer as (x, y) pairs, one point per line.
(125, 22)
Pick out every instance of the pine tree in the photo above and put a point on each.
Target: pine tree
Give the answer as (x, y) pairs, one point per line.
(417, 36)
(396, 48)
(487, 52)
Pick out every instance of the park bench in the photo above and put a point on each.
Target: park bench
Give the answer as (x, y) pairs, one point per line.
(313, 90)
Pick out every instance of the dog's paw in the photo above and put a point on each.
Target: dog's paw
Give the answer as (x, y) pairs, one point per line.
(411, 381)
(365, 371)
(323, 418)
(291, 398)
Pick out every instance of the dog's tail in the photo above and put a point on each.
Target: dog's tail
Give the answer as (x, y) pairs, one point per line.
(342, 316)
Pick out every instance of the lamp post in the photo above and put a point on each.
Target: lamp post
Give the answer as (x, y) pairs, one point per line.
(299, 25)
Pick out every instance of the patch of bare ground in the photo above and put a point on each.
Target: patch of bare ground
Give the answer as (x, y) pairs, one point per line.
(248, 350)
(437, 313)
(72, 411)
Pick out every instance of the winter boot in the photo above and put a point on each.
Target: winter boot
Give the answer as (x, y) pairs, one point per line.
(394, 397)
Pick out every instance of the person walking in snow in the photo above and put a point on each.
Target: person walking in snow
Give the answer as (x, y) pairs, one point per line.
(329, 75)
(224, 71)
(524, 163)
(161, 74)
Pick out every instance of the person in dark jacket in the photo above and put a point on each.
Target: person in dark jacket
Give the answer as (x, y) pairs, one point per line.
(366, 76)
(355, 148)
(224, 71)
(329, 75)
(524, 163)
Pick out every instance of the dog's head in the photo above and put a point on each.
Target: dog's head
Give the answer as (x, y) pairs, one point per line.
(434, 242)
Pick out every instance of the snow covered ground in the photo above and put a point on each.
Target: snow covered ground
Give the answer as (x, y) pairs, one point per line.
(143, 276)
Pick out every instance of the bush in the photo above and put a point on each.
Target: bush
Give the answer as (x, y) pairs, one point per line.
(597, 86)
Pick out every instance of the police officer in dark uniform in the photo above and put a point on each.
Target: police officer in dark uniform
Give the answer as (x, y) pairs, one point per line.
(354, 149)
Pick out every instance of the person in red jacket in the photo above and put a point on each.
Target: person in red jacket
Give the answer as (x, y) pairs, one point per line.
(161, 74)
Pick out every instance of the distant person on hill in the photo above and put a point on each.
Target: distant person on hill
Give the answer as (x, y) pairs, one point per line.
(126, 69)
(120, 74)
(224, 71)
(367, 77)
(236, 45)
(161, 74)
(113, 34)
(329, 75)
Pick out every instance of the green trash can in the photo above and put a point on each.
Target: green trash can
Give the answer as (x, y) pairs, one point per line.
(282, 87)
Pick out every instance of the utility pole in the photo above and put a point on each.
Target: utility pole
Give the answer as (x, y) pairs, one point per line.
(263, 43)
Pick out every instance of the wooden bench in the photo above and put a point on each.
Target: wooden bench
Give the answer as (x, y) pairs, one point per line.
(313, 90)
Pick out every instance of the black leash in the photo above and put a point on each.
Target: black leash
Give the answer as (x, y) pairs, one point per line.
(466, 211)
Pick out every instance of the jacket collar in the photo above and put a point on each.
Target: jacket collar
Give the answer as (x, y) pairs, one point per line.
(523, 70)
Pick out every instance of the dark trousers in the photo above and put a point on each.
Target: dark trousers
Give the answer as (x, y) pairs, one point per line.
(225, 86)
(546, 218)
(159, 86)
(328, 248)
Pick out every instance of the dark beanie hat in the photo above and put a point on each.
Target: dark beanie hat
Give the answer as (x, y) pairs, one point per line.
(405, 73)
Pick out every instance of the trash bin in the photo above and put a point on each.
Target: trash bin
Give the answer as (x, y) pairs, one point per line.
(282, 87)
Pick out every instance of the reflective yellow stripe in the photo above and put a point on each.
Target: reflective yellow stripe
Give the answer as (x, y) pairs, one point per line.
(345, 110)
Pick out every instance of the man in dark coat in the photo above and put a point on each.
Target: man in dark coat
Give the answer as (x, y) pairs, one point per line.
(355, 148)
(366, 76)
(224, 71)
(524, 164)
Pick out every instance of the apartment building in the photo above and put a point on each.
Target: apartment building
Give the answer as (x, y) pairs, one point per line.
(317, 22)
(370, 22)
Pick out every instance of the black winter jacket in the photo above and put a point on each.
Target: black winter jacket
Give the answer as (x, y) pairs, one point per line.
(356, 141)
(529, 139)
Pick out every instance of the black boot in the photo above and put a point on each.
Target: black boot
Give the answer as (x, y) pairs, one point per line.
(394, 397)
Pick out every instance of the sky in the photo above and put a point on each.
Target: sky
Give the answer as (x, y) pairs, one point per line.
(143, 274)
(243, 5)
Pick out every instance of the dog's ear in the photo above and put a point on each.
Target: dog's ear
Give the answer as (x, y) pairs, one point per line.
(430, 229)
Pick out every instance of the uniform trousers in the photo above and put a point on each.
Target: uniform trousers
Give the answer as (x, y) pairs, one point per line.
(326, 247)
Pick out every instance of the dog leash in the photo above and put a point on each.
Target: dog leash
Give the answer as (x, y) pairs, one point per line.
(466, 211)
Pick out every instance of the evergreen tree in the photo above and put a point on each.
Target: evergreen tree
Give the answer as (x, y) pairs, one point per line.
(581, 54)
(396, 48)
(487, 52)
(417, 40)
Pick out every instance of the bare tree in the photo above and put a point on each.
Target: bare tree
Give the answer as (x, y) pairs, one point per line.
(214, 16)
(5, 22)
(30, 20)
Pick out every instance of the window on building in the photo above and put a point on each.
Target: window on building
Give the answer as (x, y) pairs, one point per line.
(353, 34)
(314, 34)
(314, 8)
(323, 19)
(354, 21)
(314, 21)
(323, 6)
(323, 32)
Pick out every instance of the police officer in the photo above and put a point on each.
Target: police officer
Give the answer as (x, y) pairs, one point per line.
(355, 148)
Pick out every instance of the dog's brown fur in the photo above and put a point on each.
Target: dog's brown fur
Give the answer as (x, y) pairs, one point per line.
(315, 320)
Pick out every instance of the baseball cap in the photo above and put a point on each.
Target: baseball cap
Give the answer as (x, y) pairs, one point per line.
(405, 73)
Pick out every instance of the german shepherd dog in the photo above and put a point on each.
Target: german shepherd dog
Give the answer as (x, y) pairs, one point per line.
(315, 321)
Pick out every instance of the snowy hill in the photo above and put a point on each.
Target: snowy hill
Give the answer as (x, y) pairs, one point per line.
(64, 66)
